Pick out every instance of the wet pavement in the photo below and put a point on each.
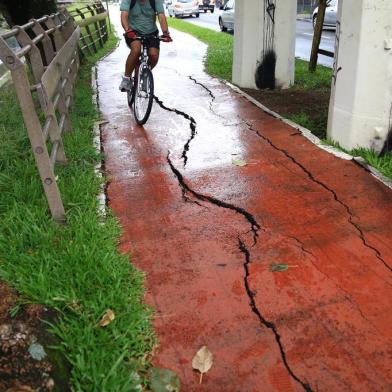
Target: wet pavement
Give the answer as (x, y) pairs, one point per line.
(206, 233)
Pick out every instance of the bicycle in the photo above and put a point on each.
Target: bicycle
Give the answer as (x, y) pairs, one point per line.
(141, 96)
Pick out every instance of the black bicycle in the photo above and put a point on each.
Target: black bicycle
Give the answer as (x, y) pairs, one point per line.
(141, 96)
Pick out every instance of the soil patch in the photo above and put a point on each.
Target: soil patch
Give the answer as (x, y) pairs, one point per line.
(26, 361)
(308, 108)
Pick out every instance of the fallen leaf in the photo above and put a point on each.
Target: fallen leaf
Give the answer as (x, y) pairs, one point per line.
(164, 380)
(239, 162)
(21, 388)
(202, 361)
(281, 267)
(107, 318)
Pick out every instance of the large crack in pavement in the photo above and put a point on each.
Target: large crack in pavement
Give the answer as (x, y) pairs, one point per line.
(255, 227)
(192, 126)
(268, 324)
(327, 188)
(211, 105)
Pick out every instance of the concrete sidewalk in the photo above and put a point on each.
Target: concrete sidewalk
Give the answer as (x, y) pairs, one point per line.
(206, 233)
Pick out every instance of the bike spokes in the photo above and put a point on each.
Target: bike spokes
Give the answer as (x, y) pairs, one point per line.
(144, 96)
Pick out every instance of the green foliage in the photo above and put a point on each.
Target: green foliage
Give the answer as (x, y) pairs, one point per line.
(76, 268)
(320, 79)
(317, 124)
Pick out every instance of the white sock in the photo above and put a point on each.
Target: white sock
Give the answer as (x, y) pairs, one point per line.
(127, 77)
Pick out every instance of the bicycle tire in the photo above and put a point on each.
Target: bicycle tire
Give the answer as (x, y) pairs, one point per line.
(143, 98)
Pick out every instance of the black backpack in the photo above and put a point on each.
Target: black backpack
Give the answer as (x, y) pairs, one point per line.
(152, 4)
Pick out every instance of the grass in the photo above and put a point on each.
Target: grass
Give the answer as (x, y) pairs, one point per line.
(320, 79)
(76, 268)
(316, 123)
(219, 63)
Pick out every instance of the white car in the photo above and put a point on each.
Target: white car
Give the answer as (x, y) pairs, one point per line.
(331, 14)
(181, 8)
(226, 19)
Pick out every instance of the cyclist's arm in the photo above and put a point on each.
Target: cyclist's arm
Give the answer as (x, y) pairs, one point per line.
(125, 20)
(163, 22)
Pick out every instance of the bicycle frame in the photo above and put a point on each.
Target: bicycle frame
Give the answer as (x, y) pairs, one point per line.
(143, 60)
(140, 98)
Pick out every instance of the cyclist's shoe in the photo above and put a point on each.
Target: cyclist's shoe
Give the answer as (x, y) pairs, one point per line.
(126, 84)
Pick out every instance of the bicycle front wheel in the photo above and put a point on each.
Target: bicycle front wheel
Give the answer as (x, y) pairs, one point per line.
(144, 96)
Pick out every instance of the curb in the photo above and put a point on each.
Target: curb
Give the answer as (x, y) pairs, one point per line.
(314, 139)
(99, 167)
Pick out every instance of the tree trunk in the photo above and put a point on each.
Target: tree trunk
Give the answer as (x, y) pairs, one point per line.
(317, 35)
(21, 11)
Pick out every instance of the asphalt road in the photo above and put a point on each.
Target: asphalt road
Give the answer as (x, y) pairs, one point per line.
(303, 40)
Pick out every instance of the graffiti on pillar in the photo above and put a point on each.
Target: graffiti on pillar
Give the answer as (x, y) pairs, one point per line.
(336, 68)
(265, 71)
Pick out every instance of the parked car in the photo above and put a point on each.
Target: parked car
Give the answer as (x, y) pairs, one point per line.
(206, 5)
(331, 14)
(226, 19)
(181, 8)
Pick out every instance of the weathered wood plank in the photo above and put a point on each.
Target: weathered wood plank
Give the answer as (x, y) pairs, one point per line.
(92, 19)
(59, 65)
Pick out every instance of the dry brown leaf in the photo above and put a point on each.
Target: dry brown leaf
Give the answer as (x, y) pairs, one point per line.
(107, 318)
(202, 361)
(21, 388)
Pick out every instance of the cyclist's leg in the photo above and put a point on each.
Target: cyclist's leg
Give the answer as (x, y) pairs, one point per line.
(153, 44)
(133, 57)
(153, 57)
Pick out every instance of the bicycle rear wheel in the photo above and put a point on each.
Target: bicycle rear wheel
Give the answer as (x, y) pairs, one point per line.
(144, 96)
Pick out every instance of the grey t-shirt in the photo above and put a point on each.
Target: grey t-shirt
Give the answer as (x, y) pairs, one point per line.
(142, 17)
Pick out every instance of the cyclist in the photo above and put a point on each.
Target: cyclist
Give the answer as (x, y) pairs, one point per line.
(138, 17)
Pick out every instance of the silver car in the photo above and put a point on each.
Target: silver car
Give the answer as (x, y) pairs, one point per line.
(331, 14)
(226, 19)
(181, 8)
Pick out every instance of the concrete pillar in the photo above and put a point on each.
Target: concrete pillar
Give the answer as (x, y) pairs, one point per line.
(249, 41)
(361, 98)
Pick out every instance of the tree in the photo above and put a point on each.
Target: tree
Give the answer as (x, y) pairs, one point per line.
(318, 29)
(21, 11)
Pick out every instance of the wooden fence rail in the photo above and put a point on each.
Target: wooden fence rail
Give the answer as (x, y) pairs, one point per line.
(50, 48)
(92, 19)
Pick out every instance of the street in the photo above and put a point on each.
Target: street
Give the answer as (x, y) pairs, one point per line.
(303, 40)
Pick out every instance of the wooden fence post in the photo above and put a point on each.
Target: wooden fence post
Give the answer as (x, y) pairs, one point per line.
(34, 129)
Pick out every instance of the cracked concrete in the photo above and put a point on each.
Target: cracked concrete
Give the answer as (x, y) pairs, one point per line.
(206, 234)
(333, 193)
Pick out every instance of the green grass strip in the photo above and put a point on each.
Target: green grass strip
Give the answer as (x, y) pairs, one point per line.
(76, 268)
(219, 63)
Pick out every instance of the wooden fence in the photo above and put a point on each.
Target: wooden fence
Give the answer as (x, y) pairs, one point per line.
(44, 69)
(50, 48)
(92, 19)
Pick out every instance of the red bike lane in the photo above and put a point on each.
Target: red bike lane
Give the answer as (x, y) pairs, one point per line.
(206, 232)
